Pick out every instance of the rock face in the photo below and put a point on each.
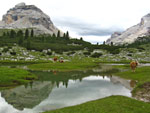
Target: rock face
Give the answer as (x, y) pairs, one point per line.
(28, 16)
(132, 33)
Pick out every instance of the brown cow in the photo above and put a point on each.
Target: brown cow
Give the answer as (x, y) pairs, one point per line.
(133, 65)
(55, 59)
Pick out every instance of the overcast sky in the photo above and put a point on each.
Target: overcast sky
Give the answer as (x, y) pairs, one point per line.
(94, 20)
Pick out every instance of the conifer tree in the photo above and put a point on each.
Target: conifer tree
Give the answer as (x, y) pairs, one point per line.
(32, 33)
(28, 43)
(4, 34)
(104, 43)
(12, 34)
(64, 35)
(58, 34)
(19, 33)
(67, 35)
(81, 38)
(53, 35)
(26, 33)
(111, 44)
(20, 42)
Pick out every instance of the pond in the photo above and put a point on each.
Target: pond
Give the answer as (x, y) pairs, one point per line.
(56, 90)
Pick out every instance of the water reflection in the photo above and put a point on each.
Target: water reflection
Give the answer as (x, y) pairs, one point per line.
(27, 96)
(61, 89)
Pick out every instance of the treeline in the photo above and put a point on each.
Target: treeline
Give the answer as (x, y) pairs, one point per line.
(27, 38)
(56, 42)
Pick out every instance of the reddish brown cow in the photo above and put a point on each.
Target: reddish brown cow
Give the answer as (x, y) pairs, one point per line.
(133, 65)
(55, 59)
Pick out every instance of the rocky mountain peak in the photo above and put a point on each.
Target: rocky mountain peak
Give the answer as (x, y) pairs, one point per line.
(28, 16)
(132, 33)
(22, 4)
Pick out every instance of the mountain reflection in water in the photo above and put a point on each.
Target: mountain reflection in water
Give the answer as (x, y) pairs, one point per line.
(61, 89)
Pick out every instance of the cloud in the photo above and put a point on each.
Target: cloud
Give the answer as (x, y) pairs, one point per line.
(84, 28)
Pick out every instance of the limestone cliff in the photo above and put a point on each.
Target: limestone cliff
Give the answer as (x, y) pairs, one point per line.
(132, 33)
(28, 16)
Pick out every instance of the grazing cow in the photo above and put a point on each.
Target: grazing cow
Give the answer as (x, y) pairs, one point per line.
(55, 59)
(61, 60)
(133, 65)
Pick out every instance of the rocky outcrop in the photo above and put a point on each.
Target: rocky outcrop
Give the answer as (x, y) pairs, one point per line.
(28, 16)
(132, 33)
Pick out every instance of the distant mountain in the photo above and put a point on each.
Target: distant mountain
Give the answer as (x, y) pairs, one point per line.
(132, 33)
(28, 16)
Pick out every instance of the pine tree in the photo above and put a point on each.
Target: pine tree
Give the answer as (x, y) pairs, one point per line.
(32, 33)
(58, 34)
(104, 43)
(4, 34)
(12, 34)
(67, 35)
(26, 33)
(20, 42)
(81, 39)
(53, 35)
(28, 43)
(19, 33)
(8, 34)
(64, 35)
(111, 44)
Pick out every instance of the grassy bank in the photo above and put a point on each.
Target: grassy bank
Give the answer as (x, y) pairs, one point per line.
(142, 78)
(10, 77)
(113, 104)
(20, 62)
(142, 74)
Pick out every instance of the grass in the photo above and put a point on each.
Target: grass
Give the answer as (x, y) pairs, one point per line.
(112, 104)
(20, 62)
(74, 64)
(142, 74)
(10, 77)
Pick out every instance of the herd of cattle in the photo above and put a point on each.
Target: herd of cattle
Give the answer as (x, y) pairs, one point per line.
(133, 64)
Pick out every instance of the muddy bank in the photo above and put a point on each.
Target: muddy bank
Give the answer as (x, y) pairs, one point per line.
(143, 92)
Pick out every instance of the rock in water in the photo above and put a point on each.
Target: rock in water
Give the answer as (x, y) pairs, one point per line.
(28, 16)
(132, 33)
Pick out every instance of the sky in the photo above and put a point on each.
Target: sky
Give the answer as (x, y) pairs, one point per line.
(94, 20)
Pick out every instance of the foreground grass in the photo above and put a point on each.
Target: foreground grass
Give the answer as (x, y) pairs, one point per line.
(10, 77)
(113, 104)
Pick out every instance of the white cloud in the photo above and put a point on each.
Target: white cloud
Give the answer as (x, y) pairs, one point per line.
(104, 13)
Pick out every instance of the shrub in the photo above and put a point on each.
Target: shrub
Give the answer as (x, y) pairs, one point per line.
(129, 54)
(5, 50)
(87, 53)
(71, 53)
(96, 55)
(116, 51)
(49, 53)
(13, 53)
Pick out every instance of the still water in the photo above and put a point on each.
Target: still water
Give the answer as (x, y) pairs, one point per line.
(58, 90)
